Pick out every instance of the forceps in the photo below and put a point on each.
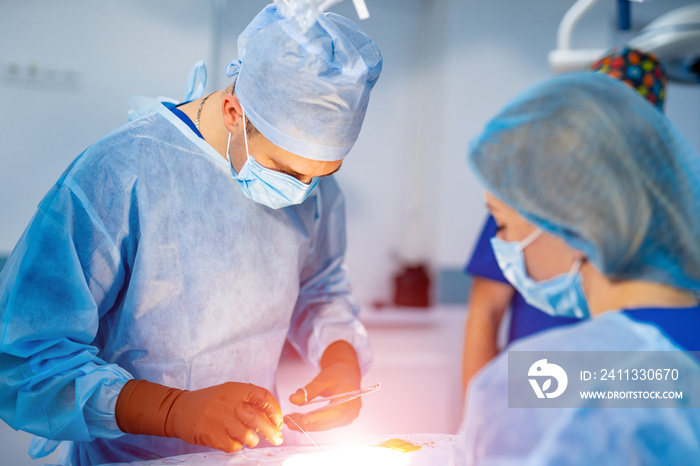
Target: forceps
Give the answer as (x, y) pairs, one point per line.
(334, 400)
(340, 397)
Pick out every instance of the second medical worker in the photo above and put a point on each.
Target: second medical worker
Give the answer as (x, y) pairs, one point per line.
(145, 307)
(491, 293)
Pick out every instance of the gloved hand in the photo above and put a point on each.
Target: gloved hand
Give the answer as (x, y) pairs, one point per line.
(224, 417)
(340, 373)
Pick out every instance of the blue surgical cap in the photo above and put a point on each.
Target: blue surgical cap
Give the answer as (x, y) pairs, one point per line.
(306, 92)
(586, 158)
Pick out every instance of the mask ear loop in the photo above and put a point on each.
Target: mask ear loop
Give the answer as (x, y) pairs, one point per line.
(245, 140)
(536, 234)
(577, 265)
(245, 134)
(530, 238)
(228, 145)
(575, 268)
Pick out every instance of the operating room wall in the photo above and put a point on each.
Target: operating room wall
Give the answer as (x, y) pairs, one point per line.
(448, 66)
(490, 52)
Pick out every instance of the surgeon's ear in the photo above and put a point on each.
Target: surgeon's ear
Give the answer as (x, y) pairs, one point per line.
(232, 112)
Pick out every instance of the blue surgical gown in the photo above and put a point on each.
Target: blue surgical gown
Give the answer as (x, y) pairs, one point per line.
(494, 434)
(146, 261)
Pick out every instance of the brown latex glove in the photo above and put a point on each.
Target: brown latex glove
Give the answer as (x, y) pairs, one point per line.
(225, 417)
(340, 373)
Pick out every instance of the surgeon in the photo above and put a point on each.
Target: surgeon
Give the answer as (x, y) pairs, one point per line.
(144, 310)
(491, 294)
(595, 195)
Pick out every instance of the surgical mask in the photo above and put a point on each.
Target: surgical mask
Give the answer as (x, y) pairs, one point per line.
(561, 296)
(266, 186)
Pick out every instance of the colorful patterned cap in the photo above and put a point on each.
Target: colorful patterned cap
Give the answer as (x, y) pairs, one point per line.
(641, 71)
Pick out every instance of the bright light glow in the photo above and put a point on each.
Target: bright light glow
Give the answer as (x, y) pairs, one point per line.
(351, 456)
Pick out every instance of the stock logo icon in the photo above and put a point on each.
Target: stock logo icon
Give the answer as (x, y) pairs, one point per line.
(544, 371)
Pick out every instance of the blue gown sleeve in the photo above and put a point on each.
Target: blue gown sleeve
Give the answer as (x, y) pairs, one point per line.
(326, 310)
(63, 275)
(483, 261)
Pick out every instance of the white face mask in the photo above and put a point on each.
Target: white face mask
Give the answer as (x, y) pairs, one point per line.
(560, 296)
(266, 186)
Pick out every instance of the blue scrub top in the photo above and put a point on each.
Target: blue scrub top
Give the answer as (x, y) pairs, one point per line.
(181, 115)
(678, 324)
(525, 319)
